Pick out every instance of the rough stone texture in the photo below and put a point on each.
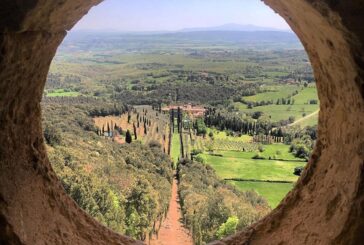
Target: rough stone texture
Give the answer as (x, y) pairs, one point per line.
(327, 204)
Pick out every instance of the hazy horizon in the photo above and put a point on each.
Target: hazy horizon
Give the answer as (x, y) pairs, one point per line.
(173, 15)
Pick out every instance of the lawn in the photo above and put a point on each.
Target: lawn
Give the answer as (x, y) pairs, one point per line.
(272, 192)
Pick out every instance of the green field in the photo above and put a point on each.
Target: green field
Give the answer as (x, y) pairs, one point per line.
(240, 165)
(234, 167)
(299, 109)
(274, 151)
(63, 93)
(273, 192)
(309, 93)
(274, 93)
(220, 135)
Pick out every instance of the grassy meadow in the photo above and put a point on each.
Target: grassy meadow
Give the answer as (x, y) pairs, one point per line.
(273, 192)
(300, 109)
(241, 165)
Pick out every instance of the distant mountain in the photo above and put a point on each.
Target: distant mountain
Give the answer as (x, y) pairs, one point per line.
(232, 37)
(273, 40)
(233, 27)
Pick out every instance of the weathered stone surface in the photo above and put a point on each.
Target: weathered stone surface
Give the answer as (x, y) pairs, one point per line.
(326, 206)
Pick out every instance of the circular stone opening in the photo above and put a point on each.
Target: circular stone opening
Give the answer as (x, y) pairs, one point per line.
(325, 206)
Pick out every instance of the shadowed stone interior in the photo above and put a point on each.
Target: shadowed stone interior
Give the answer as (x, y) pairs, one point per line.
(325, 207)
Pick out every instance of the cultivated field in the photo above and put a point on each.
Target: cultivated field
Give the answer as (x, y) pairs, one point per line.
(241, 166)
(300, 109)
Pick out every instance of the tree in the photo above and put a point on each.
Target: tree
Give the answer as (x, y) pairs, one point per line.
(52, 135)
(298, 171)
(129, 117)
(128, 138)
(257, 114)
(228, 228)
(135, 132)
(200, 159)
(291, 119)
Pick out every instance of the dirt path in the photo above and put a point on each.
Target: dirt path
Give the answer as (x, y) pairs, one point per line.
(304, 118)
(172, 231)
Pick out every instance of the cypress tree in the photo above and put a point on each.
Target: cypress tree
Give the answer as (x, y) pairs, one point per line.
(135, 132)
(108, 129)
(128, 138)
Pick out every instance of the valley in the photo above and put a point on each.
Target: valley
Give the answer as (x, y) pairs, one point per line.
(188, 133)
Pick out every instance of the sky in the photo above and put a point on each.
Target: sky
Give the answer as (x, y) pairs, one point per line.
(173, 15)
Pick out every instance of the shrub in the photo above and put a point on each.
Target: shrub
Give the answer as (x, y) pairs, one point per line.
(196, 151)
(298, 171)
(200, 159)
(154, 144)
(52, 135)
(228, 228)
(258, 156)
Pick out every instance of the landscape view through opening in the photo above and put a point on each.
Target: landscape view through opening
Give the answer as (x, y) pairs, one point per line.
(180, 122)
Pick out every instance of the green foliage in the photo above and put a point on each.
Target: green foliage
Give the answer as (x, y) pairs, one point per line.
(228, 228)
(126, 187)
(52, 135)
(200, 159)
(302, 147)
(200, 127)
(207, 202)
